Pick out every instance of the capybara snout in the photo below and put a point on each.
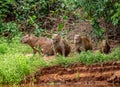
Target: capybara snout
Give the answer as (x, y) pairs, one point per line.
(25, 39)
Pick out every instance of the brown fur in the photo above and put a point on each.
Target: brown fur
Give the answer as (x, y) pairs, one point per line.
(82, 42)
(104, 47)
(60, 45)
(38, 44)
(47, 49)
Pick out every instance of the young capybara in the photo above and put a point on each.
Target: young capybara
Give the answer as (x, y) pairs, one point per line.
(38, 44)
(104, 47)
(60, 45)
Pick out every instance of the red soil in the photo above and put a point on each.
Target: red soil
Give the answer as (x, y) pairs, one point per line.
(77, 73)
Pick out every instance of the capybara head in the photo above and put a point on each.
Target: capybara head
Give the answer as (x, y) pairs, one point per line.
(104, 42)
(25, 39)
(77, 39)
(55, 38)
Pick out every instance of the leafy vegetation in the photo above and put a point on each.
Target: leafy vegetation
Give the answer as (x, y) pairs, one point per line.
(31, 15)
(15, 64)
(9, 30)
(88, 58)
(108, 10)
(34, 13)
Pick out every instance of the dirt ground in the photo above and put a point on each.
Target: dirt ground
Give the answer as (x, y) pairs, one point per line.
(77, 73)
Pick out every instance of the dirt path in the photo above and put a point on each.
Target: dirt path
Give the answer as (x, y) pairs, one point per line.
(75, 73)
(48, 58)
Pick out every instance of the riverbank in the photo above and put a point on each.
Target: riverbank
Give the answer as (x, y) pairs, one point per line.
(17, 62)
(108, 72)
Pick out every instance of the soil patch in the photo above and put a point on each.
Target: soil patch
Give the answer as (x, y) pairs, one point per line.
(48, 58)
(76, 73)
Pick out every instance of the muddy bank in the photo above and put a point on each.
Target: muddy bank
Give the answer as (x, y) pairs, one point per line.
(66, 85)
(77, 73)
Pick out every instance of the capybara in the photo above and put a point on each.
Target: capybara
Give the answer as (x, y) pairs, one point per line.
(82, 42)
(60, 45)
(39, 44)
(104, 47)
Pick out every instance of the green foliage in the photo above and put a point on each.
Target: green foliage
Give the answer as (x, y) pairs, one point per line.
(116, 16)
(9, 30)
(71, 4)
(87, 58)
(14, 65)
(3, 48)
(108, 10)
(97, 30)
(24, 9)
(33, 13)
(60, 60)
(5, 7)
(90, 58)
(115, 53)
(60, 26)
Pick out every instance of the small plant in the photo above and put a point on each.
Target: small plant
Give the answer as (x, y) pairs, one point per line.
(52, 83)
(115, 53)
(78, 75)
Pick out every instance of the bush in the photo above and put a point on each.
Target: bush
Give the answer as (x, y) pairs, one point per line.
(9, 30)
(115, 53)
(108, 10)
(6, 8)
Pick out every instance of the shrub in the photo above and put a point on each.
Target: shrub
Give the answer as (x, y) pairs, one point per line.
(101, 9)
(6, 8)
(9, 30)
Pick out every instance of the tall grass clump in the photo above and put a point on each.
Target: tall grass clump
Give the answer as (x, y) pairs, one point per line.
(14, 65)
(87, 58)
(115, 54)
(97, 57)
(60, 60)
(90, 57)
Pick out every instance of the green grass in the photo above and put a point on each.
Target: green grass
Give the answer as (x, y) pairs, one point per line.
(14, 65)
(87, 58)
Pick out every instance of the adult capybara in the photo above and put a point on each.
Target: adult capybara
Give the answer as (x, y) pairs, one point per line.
(39, 44)
(60, 45)
(82, 42)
